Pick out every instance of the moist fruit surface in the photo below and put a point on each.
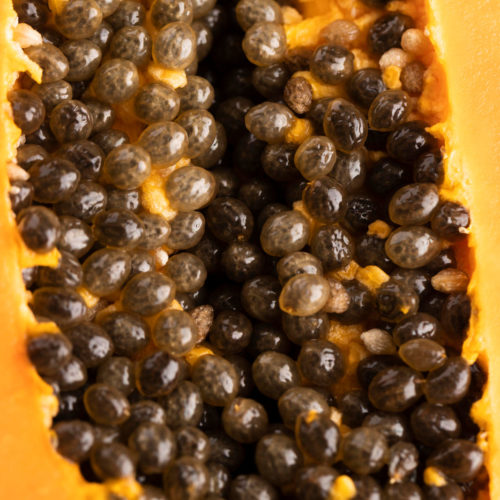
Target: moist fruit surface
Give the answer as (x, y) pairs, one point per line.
(250, 282)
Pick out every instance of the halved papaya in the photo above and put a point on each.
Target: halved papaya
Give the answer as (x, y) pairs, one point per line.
(463, 100)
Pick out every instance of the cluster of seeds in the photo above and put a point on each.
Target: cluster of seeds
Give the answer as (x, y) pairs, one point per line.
(316, 353)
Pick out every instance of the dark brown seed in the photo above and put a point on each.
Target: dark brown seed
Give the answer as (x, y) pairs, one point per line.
(216, 378)
(128, 13)
(159, 374)
(298, 263)
(156, 102)
(155, 446)
(75, 439)
(365, 450)
(130, 334)
(112, 461)
(395, 389)
(28, 110)
(318, 436)
(321, 362)
(117, 372)
(115, 81)
(299, 329)
(385, 33)
(84, 58)
(244, 420)
(71, 121)
(91, 344)
(296, 400)
(433, 424)
(106, 404)
(315, 157)
(449, 383)
(51, 60)
(412, 246)
(175, 332)
(62, 305)
(79, 19)
(39, 228)
(269, 121)
(187, 478)
(54, 180)
(345, 125)
(32, 12)
(71, 375)
(167, 11)
(332, 64)
(48, 352)
(324, 199)
(403, 460)
(458, 459)
(144, 411)
(105, 271)
(192, 442)
(165, 142)
(102, 35)
(278, 458)
(148, 293)
(132, 43)
(260, 298)
(183, 406)
(274, 373)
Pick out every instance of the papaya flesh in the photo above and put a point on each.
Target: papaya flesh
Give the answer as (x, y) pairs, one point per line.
(466, 39)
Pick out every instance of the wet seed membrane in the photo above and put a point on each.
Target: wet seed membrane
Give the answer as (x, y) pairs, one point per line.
(288, 260)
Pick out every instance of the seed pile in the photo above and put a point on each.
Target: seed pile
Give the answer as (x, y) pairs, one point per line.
(316, 352)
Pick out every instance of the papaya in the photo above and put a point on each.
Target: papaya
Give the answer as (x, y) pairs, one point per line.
(457, 43)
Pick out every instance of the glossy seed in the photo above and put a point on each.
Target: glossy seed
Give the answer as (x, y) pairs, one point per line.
(403, 460)
(414, 204)
(148, 293)
(388, 110)
(449, 383)
(433, 424)
(265, 43)
(412, 246)
(175, 45)
(395, 389)
(332, 64)
(458, 459)
(315, 157)
(345, 125)
(278, 458)
(284, 232)
(304, 295)
(127, 166)
(245, 420)
(216, 378)
(269, 121)
(365, 450)
(175, 332)
(422, 354)
(106, 405)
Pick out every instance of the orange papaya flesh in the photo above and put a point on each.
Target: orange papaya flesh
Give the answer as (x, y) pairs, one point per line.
(466, 40)
(471, 60)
